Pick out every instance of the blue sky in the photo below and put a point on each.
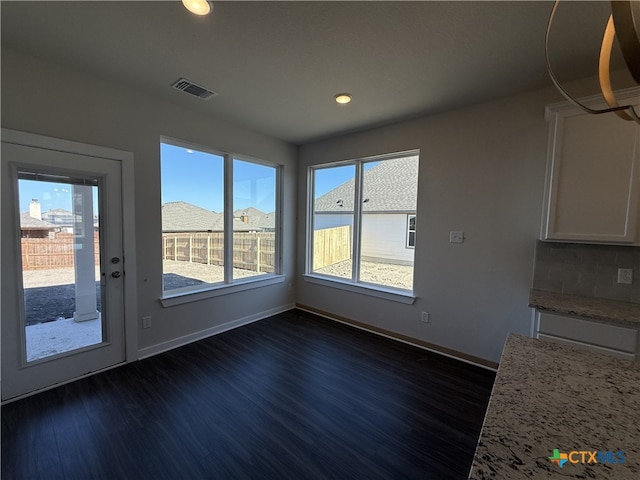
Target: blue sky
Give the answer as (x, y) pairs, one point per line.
(50, 195)
(196, 177)
(326, 179)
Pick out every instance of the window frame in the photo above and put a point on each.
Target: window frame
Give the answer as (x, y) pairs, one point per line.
(354, 284)
(411, 230)
(229, 284)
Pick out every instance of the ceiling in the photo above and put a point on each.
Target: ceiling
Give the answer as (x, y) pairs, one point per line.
(276, 66)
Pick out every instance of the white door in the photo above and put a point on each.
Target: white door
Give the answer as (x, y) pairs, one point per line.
(62, 267)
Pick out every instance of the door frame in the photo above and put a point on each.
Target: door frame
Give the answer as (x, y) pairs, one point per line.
(126, 160)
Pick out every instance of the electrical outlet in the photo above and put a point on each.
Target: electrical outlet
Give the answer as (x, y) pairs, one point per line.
(625, 275)
(146, 322)
(424, 318)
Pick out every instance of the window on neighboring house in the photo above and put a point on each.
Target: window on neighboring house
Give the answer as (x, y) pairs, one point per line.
(363, 215)
(411, 231)
(202, 244)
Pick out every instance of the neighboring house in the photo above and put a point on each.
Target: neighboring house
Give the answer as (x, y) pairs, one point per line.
(31, 227)
(388, 210)
(263, 222)
(64, 219)
(186, 217)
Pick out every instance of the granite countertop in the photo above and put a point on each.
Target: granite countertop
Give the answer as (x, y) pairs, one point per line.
(549, 396)
(599, 309)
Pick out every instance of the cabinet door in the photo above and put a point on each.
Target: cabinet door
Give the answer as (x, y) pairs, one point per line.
(593, 179)
(598, 337)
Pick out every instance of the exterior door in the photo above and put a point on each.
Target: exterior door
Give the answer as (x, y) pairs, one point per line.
(62, 267)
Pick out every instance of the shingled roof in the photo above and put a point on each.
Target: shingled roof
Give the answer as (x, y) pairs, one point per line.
(27, 222)
(257, 218)
(186, 217)
(389, 186)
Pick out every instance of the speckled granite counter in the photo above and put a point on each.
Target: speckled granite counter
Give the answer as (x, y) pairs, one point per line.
(548, 396)
(608, 311)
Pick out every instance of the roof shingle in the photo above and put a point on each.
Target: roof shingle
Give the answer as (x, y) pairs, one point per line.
(27, 222)
(185, 217)
(257, 218)
(389, 186)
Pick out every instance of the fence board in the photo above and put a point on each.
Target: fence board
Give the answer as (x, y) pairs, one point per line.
(51, 253)
(331, 245)
(251, 251)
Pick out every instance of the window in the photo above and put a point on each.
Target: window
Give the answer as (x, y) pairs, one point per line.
(219, 218)
(411, 231)
(363, 217)
(254, 219)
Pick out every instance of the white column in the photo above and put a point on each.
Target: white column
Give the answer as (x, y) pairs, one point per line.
(84, 254)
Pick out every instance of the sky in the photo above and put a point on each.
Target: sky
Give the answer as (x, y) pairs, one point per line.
(253, 184)
(196, 177)
(326, 179)
(50, 195)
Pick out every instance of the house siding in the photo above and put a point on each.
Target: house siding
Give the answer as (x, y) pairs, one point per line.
(331, 220)
(384, 239)
(384, 235)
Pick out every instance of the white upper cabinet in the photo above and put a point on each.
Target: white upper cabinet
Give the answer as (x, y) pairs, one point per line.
(593, 175)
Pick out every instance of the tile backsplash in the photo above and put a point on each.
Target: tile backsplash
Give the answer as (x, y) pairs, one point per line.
(588, 270)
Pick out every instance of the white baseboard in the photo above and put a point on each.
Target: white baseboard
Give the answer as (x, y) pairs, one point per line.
(194, 337)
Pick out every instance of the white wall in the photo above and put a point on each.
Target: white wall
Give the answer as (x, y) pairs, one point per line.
(47, 99)
(481, 171)
(331, 220)
(384, 238)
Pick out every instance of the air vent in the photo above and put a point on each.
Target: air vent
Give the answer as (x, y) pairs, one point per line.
(193, 89)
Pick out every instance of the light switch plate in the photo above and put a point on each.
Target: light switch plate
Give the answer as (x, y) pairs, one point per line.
(456, 237)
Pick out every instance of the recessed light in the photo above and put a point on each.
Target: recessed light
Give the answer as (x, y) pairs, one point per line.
(343, 98)
(198, 7)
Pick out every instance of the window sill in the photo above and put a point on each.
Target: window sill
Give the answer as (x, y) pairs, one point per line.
(210, 291)
(395, 295)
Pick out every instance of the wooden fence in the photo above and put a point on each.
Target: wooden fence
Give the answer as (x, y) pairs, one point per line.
(331, 245)
(50, 253)
(251, 251)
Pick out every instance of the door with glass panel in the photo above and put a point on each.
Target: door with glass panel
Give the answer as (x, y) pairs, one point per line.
(62, 267)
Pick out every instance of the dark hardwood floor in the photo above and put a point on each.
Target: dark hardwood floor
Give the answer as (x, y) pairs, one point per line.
(294, 396)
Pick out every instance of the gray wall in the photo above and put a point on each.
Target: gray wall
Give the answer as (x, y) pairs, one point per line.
(47, 99)
(481, 171)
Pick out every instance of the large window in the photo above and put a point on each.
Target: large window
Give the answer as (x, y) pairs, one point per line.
(219, 218)
(363, 219)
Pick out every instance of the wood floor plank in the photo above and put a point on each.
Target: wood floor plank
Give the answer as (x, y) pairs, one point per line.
(292, 396)
(29, 448)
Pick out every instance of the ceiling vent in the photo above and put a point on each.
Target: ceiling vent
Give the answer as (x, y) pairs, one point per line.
(193, 89)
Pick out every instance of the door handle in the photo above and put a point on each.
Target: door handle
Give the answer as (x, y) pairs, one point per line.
(115, 274)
